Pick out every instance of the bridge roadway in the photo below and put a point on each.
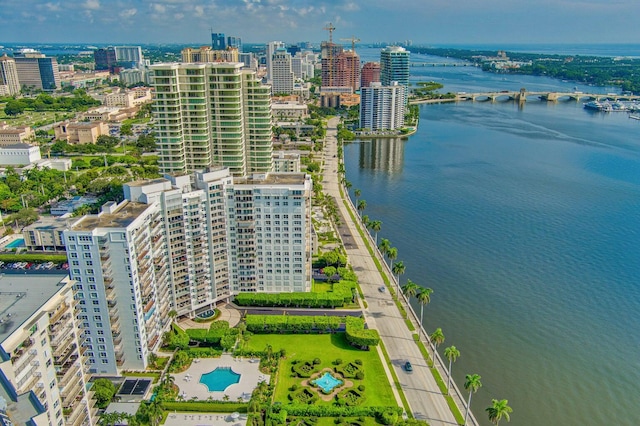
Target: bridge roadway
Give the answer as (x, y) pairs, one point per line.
(420, 388)
(545, 96)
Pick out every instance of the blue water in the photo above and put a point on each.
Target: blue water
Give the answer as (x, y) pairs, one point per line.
(327, 382)
(19, 242)
(526, 223)
(220, 379)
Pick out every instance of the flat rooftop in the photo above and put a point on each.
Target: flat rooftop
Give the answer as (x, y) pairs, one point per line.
(21, 296)
(272, 179)
(120, 218)
(145, 182)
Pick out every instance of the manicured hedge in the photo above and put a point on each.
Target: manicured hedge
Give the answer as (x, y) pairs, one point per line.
(56, 258)
(342, 293)
(357, 335)
(292, 323)
(334, 411)
(205, 406)
(214, 334)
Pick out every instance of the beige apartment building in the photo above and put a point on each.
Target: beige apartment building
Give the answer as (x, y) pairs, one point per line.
(81, 132)
(16, 135)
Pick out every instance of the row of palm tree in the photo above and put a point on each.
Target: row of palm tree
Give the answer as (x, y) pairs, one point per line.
(499, 408)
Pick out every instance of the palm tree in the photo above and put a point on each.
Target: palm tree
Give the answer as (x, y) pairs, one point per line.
(357, 194)
(172, 314)
(362, 204)
(424, 297)
(410, 289)
(498, 410)
(347, 184)
(392, 254)
(384, 246)
(452, 353)
(472, 383)
(375, 226)
(436, 338)
(366, 221)
(154, 411)
(398, 269)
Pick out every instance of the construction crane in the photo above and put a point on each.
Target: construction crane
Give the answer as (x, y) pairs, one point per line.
(330, 28)
(353, 41)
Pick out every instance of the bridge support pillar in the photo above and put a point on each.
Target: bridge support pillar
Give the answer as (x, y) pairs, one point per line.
(522, 95)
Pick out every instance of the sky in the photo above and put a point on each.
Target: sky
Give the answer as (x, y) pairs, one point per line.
(431, 22)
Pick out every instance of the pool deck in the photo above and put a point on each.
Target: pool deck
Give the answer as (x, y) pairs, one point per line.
(190, 386)
(199, 419)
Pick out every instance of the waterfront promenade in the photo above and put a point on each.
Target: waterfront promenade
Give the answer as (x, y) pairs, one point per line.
(420, 388)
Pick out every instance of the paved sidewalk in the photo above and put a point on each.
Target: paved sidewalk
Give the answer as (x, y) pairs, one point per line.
(227, 313)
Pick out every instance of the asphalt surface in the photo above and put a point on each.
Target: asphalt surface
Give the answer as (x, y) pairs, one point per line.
(419, 386)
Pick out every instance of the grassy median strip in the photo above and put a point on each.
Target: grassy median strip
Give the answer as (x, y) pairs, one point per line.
(396, 381)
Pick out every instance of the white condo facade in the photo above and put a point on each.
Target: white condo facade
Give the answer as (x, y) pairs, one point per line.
(184, 243)
(43, 371)
(282, 77)
(382, 107)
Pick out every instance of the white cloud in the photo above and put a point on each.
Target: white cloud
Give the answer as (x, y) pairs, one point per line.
(52, 7)
(159, 8)
(92, 4)
(128, 13)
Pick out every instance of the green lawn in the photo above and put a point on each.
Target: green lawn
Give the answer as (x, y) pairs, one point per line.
(320, 287)
(326, 347)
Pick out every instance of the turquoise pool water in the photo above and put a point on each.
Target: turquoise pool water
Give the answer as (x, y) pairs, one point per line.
(327, 382)
(220, 379)
(16, 243)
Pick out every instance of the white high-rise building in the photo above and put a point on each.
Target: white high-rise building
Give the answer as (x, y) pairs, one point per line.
(184, 243)
(283, 77)
(270, 241)
(382, 107)
(210, 114)
(43, 370)
(118, 260)
(131, 54)
(272, 46)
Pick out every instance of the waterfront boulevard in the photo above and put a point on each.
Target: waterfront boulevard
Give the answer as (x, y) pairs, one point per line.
(420, 388)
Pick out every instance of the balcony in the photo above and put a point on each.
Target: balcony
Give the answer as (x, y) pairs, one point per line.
(104, 257)
(58, 313)
(64, 356)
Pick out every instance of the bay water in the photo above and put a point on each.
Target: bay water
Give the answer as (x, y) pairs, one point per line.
(525, 220)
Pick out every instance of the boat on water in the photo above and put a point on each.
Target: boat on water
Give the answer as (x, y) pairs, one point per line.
(593, 105)
(635, 117)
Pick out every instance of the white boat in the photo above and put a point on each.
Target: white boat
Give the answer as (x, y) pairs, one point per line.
(635, 117)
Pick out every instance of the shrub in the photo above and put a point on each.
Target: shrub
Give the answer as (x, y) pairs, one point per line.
(388, 417)
(337, 361)
(357, 335)
(205, 406)
(361, 388)
(316, 361)
(358, 361)
(293, 387)
(359, 375)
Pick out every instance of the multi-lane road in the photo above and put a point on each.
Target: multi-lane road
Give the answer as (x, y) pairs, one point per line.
(420, 388)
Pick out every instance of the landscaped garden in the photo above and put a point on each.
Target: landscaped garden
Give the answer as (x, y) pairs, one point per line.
(311, 354)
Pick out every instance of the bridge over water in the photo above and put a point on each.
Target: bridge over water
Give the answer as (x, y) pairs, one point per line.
(524, 95)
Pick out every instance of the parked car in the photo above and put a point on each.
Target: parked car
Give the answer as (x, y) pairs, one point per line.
(382, 289)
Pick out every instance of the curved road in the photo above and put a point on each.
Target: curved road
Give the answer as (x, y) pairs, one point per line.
(420, 388)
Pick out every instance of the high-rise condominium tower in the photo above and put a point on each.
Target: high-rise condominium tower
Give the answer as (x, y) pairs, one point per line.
(9, 83)
(370, 74)
(382, 107)
(211, 114)
(282, 78)
(394, 66)
(272, 46)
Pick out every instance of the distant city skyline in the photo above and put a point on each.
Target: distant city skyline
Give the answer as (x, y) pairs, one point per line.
(258, 21)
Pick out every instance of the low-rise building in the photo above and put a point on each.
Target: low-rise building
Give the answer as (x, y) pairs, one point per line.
(20, 154)
(109, 113)
(128, 98)
(69, 206)
(43, 375)
(13, 135)
(289, 110)
(45, 235)
(284, 161)
(81, 132)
